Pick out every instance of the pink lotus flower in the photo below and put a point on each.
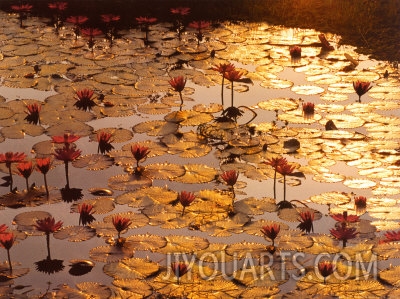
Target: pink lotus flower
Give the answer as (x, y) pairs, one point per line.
(344, 233)
(306, 221)
(361, 88)
(85, 99)
(33, 113)
(325, 268)
(48, 225)
(179, 269)
(7, 241)
(43, 165)
(104, 139)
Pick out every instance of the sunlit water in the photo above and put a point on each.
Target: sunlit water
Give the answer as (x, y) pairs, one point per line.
(33, 248)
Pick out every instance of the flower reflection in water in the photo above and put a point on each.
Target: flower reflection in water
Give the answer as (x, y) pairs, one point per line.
(8, 158)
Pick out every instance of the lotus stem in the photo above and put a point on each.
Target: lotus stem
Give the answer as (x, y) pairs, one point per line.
(232, 94)
(9, 260)
(66, 174)
(11, 178)
(48, 246)
(222, 90)
(275, 184)
(45, 185)
(284, 188)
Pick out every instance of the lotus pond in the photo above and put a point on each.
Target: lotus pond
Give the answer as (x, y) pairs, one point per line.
(194, 159)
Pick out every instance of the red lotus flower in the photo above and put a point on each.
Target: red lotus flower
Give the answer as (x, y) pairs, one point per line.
(3, 228)
(182, 11)
(7, 241)
(22, 10)
(77, 20)
(361, 88)
(306, 221)
(48, 225)
(308, 110)
(25, 169)
(222, 68)
(271, 231)
(186, 198)
(120, 224)
(84, 99)
(275, 162)
(325, 44)
(91, 32)
(325, 268)
(11, 157)
(104, 140)
(391, 236)
(146, 20)
(361, 204)
(230, 177)
(67, 154)
(22, 7)
(344, 233)
(344, 218)
(233, 75)
(199, 25)
(33, 112)
(285, 169)
(43, 164)
(295, 51)
(139, 152)
(179, 269)
(178, 83)
(58, 5)
(85, 213)
(108, 18)
(67, 139)
(8, 158)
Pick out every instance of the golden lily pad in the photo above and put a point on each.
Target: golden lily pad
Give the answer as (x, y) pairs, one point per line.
(307, 89)
(197, 174)
(183, 244)
(345, 121)
(75, 233)
(110, 254)
(94, 289)
(128, 182)
(156, 128)
(189, 117)
(131, 268)
(93, 162)
(284, 104)
(131, 288)
(391, 276)
(331, 198)
(260, 276)
(359, 183)
(388, 250)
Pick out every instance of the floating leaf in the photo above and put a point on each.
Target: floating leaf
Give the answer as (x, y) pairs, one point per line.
(131, 268)
(197, 174)
(75, 233)
(183, 244)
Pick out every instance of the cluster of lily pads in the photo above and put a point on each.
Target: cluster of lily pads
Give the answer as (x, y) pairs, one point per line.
(145, 72)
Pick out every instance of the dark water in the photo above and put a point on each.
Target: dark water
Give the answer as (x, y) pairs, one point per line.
(372, 26)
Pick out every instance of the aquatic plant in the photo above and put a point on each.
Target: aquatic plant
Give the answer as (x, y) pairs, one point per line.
(178, 84)
(48, 225)
(274, 163)
(7, 240)
(306, 221)
(199, 26)
(179, 269)
(22, 10)
(43, 165)
(25, 169)
(230, 178)
(91, 33)
(77, 21)
(104, 139)
(110, 21)
(361, 88)
(139, 152)
(186, 198)
(120, 224)
(58, 7)
(325, 268)
(222, 68)
(85, 213)
(33, 113)
(67, 154)
(8, 158)
(271, 231)
(285, 169)
(145, 23)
